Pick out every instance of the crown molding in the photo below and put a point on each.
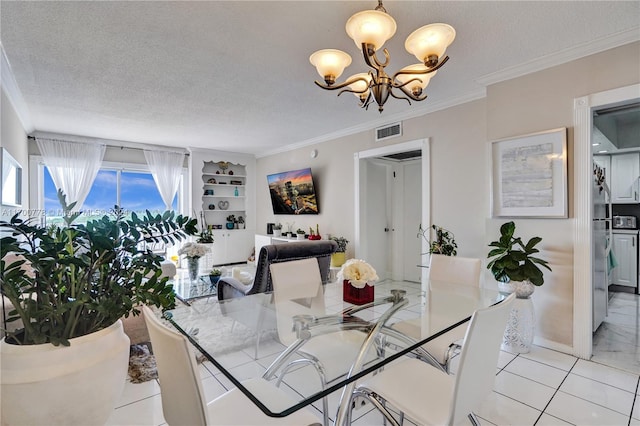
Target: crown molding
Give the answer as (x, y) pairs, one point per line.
(10, 86)
(567, 55)
(370, 125)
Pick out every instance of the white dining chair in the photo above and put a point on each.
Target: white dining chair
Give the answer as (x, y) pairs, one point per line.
(183, 400)
(429, 396)
(445, 269)
(298, 290)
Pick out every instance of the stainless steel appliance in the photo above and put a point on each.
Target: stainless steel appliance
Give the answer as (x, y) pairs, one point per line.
(602, 240)
(624, 222)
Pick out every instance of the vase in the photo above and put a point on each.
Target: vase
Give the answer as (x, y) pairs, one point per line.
(355, 295)
(337, 259)
(277, 232)
(518, 335)
(193, 266)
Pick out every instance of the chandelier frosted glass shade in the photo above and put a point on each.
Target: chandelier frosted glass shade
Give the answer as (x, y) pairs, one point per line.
(330, 63)
(429, 41)
(360, 87)
(371, 27)
(416, 82)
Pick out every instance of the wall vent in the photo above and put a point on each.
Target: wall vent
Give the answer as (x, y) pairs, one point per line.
(389, 131)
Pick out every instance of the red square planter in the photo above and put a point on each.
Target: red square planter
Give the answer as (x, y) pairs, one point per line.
(357, 296)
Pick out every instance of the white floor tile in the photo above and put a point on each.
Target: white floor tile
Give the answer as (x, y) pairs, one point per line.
(598, 393)
(505, 358)
(581, 412)
(541, 373)
(602, 373)
(523, 390)
(551, 357)
(636, 409)
(547, 420)
(501, 410)
(136, 391)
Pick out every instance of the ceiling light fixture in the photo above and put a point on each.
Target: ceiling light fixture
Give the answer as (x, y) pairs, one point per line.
(370, 29)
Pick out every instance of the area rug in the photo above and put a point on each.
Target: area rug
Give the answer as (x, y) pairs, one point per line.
(142, 364)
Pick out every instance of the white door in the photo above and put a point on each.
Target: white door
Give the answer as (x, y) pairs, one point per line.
(411, 215)
(375, 216)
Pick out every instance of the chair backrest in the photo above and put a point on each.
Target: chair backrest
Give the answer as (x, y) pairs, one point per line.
(183, 400)
(454, 269)
(479, 359)
(297, 290)
(275, 253)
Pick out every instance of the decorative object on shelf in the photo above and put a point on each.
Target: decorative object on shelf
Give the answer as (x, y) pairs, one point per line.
(544, 192)
(300, 234)
(338, 258)
(270, 228)
(217, 172)
(230, 173)
(193, 252)
(214, 275)
(212, 181)
(370, 30)
(224, 165)
(235, 182)
(444, 242)
(358, 278)
(235, 192)
(517, 268)
(231, 221)
(212, 206)
(240, 222)
(314, 235)
(223, 204)
(208, 192)
(277, 230)
(222, 182)
(76, 325)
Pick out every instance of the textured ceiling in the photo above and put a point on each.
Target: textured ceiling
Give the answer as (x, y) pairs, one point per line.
(235, 75)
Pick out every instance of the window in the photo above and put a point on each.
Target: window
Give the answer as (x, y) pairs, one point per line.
(132, 190)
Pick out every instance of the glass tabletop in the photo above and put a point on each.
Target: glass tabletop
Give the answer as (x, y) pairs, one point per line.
(187, 290)
(226, 330)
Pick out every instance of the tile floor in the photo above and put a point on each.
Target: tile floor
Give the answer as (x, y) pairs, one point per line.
(617, 340)
(542, 387)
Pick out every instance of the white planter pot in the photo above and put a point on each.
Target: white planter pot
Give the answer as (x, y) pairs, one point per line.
(64, 385)
(277, 232)
(520, 330)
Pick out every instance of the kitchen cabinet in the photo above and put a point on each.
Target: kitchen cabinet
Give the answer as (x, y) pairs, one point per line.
(625, 171)
(625, 250)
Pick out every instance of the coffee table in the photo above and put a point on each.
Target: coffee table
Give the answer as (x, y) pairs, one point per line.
(186, 290)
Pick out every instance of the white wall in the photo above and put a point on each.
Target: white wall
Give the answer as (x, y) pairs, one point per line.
(460, 170)
(14, 139)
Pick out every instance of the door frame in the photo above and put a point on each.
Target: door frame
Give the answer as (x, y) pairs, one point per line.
(421, 144)
(582, 237)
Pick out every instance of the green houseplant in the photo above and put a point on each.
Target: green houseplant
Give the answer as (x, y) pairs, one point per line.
(338, 258)
(512, 260)
(69, 287)
(214, 275)
(444, 243)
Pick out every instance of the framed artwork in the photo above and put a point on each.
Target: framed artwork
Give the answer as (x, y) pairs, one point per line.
(529, 175)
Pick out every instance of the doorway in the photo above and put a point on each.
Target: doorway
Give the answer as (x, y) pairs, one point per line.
(584, 108)
(392, 201)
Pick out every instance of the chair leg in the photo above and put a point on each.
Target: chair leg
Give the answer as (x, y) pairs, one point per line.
(474, 420)
(373, 398)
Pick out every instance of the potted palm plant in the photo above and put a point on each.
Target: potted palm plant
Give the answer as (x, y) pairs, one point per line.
(68, 287)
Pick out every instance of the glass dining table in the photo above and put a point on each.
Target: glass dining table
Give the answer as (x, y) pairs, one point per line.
(221, 330)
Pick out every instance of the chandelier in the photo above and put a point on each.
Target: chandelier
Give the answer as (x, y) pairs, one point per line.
(370, 29)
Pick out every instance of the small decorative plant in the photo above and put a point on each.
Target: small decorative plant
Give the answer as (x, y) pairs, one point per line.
(358, 272)
(231, 218)
(278, 226)
(444, 243)
(511, 259)
(205, 237)
(300, 231)
(342, 244)
(240, 219)
(215, 272)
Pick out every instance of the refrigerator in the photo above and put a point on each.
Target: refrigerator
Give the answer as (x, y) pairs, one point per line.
(601, 244)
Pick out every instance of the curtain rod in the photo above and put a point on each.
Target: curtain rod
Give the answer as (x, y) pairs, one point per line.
(124, 147)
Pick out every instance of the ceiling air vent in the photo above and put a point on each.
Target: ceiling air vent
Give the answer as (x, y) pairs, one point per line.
(389, 131)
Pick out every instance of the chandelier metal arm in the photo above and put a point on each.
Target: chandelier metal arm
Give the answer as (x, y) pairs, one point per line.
(408, 94)
(371, 59)
(342, 85)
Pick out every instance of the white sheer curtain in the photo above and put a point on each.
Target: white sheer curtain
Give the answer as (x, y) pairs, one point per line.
(73, 166)
(166, 168)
